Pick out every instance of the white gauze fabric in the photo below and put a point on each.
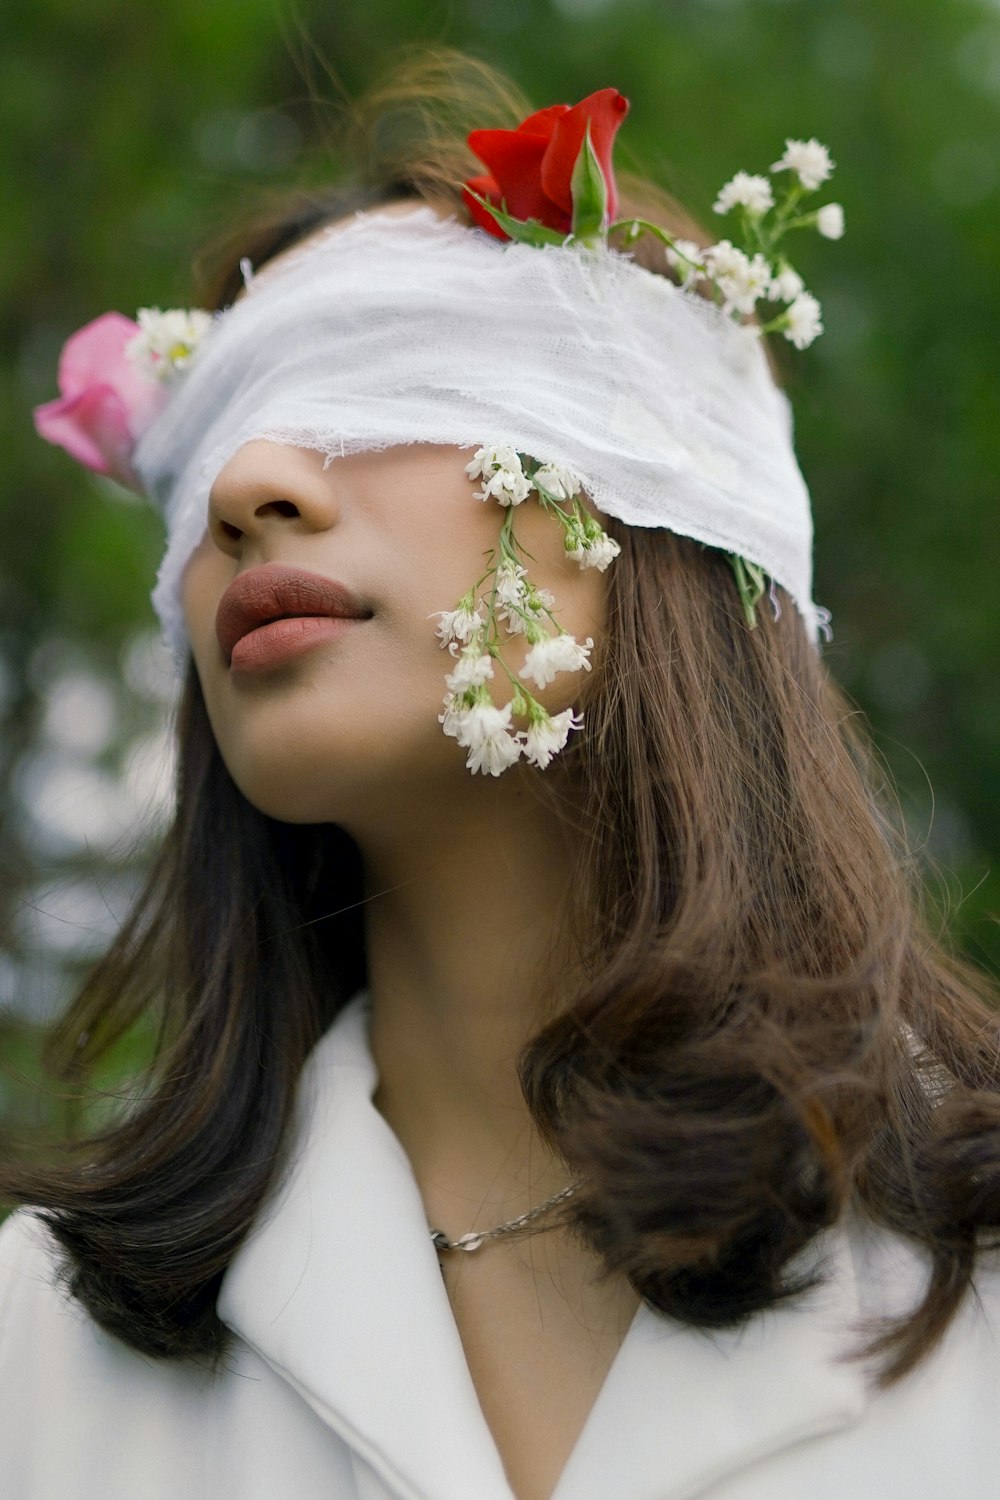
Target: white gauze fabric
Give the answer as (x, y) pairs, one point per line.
(409, 328)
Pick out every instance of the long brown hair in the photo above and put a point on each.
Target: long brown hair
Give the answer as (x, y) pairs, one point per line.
(770, 1036)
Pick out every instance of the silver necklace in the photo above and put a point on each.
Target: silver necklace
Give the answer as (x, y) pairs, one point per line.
(477, 1237)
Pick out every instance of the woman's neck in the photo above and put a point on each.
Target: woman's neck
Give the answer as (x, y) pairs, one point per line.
(468, 954)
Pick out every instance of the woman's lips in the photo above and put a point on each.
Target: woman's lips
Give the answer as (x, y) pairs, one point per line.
(272, 614)
(283, 640)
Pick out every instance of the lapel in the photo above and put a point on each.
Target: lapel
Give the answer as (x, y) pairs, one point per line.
(338, 1288)
(682, 1409)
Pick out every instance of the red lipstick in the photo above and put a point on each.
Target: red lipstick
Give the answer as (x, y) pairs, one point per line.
(272, 614)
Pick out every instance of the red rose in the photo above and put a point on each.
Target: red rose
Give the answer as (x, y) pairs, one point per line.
(532, 167)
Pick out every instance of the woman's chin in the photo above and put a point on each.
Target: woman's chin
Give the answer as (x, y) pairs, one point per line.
(352, 786)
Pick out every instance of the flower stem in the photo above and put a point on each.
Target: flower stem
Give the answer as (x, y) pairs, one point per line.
(752, 584)
(507, 550)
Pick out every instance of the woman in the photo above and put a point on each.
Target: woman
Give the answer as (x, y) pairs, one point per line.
(569, 1103)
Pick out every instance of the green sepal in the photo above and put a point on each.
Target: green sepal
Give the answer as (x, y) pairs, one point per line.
(751, 580)
(590, 193)
(524, 231)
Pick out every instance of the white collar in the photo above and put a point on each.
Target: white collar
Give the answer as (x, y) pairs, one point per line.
(338, 1287)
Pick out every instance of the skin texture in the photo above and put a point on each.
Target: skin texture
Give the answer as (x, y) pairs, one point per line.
(466, 879)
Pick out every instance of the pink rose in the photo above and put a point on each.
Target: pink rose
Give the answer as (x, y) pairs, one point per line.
(105, 402)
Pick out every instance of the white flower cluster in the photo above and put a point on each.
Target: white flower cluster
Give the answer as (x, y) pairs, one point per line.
(519, 602)
(485, 731)
(503, 477)
(745, 275)
(471, 630)
(808, 159)
(754, 193)
(167, 341)
(502, 472)
(741, 280)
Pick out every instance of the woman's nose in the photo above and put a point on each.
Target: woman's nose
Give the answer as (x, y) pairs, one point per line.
(267, 485)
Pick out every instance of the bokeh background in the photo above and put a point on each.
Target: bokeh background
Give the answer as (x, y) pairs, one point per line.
(133, 133)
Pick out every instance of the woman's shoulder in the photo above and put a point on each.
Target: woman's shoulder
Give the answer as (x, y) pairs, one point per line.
(813, 1419)
(45, 1333)
(29, 1277)
(893, 1275)
(893, 1271)
(935, 1430)
(86, 1417)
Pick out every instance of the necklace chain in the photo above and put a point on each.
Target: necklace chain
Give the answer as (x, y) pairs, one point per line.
(477, 1237)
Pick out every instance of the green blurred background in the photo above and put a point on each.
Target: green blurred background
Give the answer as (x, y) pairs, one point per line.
(131, 133)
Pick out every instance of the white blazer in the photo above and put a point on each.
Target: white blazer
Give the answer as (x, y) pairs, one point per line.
(348, 1381)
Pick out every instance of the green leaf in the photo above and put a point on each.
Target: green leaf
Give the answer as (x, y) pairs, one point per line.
(590, 194)
(525, 231)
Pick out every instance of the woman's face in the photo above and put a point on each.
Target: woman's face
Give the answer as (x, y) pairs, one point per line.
(348, 726)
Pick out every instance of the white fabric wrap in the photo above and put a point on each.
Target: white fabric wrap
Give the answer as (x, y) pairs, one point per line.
(409, 328)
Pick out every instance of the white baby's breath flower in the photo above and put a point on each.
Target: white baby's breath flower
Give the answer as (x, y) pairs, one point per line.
(532, 605)
(786, 285)
(508, 486)
(458, 624)
(724, 259)
(510, 585)
(485, 460)
(804, 323)
(482, 721)
(561, 483)
(167, 341)
(750, 287)
(830, 221)
(485, 733)
(740, 279)
(689, 273)
(554, 654)
(471, 670)
(494, 755)
(599, 553)
(453, 717)
(499, 467)
(753, 192)
(809, 159)
(546, 736)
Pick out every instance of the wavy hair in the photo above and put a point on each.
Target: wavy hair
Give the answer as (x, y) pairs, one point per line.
(769, 1036)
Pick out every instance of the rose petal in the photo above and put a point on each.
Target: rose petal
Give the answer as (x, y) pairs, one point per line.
(94, 356)
(605, 110)
(486, 188)
(514, 158)
(93, 427)
(543, 121)
(92, 350)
